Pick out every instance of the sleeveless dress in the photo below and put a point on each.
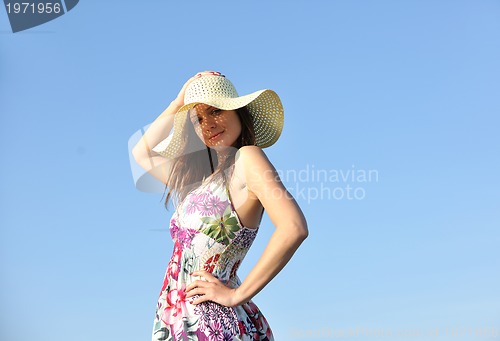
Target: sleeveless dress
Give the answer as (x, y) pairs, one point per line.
(208, 235)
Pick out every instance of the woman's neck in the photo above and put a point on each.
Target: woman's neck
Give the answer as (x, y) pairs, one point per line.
(223, 154)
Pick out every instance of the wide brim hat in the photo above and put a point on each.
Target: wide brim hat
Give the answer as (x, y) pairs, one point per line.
(264, 106)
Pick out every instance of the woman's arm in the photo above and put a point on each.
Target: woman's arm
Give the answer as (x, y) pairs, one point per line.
(157, 131)
(291, 226)
(291, 230)
(143, 154)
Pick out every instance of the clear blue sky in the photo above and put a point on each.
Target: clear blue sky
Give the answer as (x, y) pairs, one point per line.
(407, 89)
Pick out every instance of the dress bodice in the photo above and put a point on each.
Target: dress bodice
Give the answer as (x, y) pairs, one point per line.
(206, 225)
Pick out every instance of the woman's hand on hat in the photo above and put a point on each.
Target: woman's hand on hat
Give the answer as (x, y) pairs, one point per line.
(209, 288)
(179, 101)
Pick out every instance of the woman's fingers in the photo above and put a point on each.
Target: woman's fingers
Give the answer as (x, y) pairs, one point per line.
(179, 100)
(196, 284)
(204, 274)
(205, 290)
(206, 278)
(210, 72)
(207, 72)
(201, 299)
(195, 291)
(210, 288)
(203, 285)
(202, 288)
(180, 96)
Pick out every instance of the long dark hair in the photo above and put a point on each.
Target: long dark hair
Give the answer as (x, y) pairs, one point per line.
(190, 169)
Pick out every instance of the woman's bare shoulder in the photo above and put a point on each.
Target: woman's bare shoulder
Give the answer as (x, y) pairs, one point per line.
(252, 161)
(245, 156)
(250, 153)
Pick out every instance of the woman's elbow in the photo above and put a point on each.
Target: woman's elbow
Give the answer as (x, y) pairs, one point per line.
(304, 233)
(294, 230)
(301, 231)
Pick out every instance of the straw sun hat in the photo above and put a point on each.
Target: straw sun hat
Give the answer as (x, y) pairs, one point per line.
(264, 106)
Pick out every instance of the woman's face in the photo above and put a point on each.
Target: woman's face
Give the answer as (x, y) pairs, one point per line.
(216, 127)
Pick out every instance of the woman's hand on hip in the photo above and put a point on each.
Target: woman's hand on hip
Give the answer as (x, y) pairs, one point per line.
(211, 289)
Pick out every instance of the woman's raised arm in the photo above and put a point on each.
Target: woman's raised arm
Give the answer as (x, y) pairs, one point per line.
(143, 152)
(158, 131)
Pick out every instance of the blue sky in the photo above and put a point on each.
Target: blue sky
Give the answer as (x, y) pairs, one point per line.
(407, 89)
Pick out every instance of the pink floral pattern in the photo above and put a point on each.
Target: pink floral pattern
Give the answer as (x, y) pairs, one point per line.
(176, 305)
(207, 235)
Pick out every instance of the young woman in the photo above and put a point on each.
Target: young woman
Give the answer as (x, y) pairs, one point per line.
(213, 164)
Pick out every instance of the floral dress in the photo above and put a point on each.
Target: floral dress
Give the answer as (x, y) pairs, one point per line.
(207, 235)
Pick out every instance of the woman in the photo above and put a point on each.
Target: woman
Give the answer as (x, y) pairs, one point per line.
(214, 165)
